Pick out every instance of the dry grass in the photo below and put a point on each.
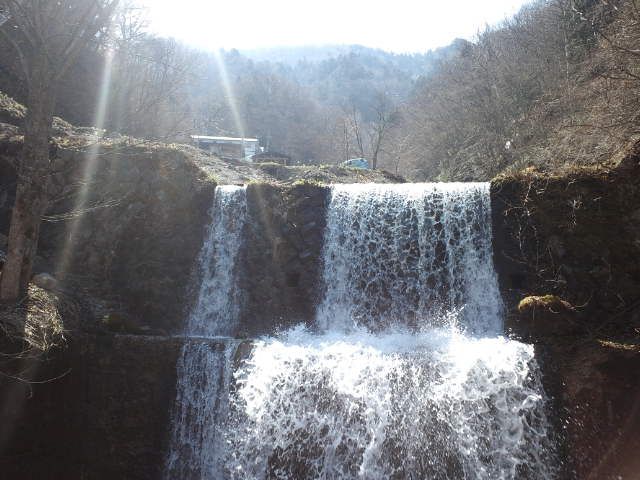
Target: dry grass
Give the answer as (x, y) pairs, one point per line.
(627, 347)
(546, 302)
(10, 109)
(37, 320)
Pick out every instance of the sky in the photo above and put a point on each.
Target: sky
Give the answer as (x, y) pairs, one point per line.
(395, 25)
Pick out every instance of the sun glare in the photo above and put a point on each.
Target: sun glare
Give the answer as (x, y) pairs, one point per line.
(406, 26)
(90, 166)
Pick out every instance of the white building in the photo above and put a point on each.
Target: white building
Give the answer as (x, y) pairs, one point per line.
(228, 147)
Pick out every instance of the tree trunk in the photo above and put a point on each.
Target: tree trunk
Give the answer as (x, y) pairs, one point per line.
(32, 186)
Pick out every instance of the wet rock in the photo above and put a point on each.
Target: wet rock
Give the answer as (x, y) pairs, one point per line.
(244, 350)
(281, 264)
(309, 226)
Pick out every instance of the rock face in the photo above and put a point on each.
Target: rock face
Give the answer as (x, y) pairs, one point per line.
(282, 255)
(128, 231)
(103, 411)
(574, 236)
(567, 252)
(142, 245)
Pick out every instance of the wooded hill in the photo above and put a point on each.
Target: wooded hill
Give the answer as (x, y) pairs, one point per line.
(555, 85)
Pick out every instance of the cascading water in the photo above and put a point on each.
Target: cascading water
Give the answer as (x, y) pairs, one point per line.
(407, 254)
(395, 405)
(218, 303)
(201, 404)
(204, 368)
(405, 375)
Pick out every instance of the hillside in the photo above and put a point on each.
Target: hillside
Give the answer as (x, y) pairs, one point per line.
(318, 105)
(552, 87)
(79, 139)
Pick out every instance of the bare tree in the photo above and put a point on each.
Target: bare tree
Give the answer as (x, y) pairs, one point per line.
(365, 138)
(380, 126)
(355, 125)
(47, 37)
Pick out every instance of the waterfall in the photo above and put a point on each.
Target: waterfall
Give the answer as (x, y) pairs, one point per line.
(433, 405)
(405, 374)
(201, 404)
(407, 254)
(218, 303)
(204, 367)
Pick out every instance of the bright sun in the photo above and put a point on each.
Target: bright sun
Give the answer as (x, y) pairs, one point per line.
(402, 26)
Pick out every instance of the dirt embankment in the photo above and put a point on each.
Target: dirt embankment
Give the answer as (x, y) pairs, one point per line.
(567, 250)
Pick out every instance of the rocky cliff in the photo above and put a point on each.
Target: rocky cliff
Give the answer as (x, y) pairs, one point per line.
(282, 255)
(98, 408)
(567, 251)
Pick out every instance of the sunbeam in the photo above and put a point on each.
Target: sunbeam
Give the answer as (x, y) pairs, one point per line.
(229, 93)
(89, 169)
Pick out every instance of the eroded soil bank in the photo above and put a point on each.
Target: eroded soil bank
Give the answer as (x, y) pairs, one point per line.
(567, 251)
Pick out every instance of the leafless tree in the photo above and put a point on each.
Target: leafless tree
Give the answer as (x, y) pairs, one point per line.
(365, 138)
(47, 37)
(379, 127)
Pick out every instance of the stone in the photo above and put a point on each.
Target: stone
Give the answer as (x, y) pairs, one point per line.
(118, 323)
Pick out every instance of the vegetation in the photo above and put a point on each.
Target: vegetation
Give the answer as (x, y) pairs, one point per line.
(45, 38)
(556, 84)
(549, 302)
(43, 317)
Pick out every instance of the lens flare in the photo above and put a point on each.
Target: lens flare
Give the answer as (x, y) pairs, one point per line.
(229, 93)
(89, 168)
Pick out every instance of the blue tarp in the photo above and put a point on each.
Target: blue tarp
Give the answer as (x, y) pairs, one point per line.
(356, 163)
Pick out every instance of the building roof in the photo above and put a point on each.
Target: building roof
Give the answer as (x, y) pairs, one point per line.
(207, 138)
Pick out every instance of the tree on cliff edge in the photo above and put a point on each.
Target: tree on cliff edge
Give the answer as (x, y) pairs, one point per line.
(47, 37)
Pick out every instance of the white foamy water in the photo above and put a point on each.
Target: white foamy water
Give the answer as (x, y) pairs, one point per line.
(407, 253)
(405, 374)
(432, 405)
(218, 304)
(204, 375)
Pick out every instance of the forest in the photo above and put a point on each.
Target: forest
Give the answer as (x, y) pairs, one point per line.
(556, 84)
